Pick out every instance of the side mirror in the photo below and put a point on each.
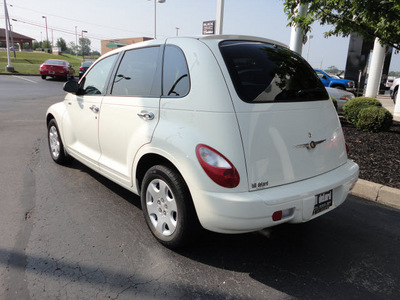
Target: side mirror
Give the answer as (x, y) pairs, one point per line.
(71, 86)
(324, 77)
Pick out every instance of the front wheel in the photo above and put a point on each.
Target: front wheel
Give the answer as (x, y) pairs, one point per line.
(56, 146)
(394, 96)
(340, 87)
(43, 76)
(168, 208)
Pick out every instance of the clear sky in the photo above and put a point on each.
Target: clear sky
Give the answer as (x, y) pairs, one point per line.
(113, 19)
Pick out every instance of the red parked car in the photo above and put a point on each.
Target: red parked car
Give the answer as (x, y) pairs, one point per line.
(57, 68)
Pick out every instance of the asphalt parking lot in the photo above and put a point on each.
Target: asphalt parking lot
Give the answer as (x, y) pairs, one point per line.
(67, 232)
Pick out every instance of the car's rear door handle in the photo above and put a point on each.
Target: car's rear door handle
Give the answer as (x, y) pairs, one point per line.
(94, 108)
(146, 115)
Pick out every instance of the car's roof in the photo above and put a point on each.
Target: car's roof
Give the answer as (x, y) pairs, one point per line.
(201, 38)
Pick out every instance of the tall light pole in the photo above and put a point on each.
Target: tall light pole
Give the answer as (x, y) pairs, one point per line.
(220, 17)
(47, 34)
(155, 16)
(9, 67)
(83, 45)
(177, 31)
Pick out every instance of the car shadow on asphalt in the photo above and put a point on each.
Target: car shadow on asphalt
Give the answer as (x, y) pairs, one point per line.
(351, 252)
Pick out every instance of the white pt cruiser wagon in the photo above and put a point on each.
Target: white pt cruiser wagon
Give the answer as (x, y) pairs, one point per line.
(230, 133)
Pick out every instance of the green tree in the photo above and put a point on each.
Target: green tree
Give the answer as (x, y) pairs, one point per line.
(369, 18)
(332, 70)
(62, 44)
(46, 44)
(72, 48)
(84, 43)
(36, 45)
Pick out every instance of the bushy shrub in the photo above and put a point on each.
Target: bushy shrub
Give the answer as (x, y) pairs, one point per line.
(374, 119)
(353, 107)
(334, 102)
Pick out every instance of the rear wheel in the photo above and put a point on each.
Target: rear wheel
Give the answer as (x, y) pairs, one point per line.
(56, 146)
(168, 207)
(395, 96)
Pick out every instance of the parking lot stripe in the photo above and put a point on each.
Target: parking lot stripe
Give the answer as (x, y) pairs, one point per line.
(24, 78)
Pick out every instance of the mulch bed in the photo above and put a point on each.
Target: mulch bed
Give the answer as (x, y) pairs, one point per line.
(377, 154)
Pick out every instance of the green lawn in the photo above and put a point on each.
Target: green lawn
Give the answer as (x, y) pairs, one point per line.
(29, 62)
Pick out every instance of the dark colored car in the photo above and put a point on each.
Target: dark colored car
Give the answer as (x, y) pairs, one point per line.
(83, 68)
(57, 68)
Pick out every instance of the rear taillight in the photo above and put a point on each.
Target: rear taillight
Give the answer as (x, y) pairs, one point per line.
(81, 69)
(347, 148)
(217, 167)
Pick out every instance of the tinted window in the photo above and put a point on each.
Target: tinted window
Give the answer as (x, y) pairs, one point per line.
(264, 72)
(176, 75)
(95, 81)
(137, 74)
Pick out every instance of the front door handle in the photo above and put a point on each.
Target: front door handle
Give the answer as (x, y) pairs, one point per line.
(94, 108)
(146, 115)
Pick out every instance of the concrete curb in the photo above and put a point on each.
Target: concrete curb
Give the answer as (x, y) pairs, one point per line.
(377, 193)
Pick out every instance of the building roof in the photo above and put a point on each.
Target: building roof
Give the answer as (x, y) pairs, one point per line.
(18, 38)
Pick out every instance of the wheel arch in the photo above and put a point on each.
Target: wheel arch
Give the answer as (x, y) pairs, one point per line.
(146, 162)
(334, 85)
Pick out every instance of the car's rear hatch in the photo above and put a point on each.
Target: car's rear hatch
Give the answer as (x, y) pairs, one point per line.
(289, 127)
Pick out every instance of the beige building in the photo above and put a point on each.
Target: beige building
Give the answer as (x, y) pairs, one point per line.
(108, 45)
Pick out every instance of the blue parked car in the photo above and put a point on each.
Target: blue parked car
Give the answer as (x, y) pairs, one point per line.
(84, 66)
(335, 82)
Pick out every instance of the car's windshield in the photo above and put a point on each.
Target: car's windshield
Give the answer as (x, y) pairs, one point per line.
(264, 72)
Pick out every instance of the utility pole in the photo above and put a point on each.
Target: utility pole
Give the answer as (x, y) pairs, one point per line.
(76, 40)
(9, 67)
(177, 31)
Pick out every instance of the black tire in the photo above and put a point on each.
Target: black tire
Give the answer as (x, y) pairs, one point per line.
(55, 143)
(340, 87)
(395, 96)
(43, 76)
(168, 207)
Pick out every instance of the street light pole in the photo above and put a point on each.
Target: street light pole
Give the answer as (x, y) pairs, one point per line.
(47, 34)
(220, 17)
(9, 67)
(155, 16)
(83, 45)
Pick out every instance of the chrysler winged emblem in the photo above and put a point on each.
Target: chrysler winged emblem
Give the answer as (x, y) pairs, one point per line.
(310, 145)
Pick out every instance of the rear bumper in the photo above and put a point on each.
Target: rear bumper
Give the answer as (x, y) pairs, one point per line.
(252, 211)
(55, 73)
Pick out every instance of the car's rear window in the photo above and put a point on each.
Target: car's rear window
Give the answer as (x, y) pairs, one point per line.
(264, 72)
(55, 62)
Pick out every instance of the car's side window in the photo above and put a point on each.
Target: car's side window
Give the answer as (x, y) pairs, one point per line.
(95, 81)
(176, 81)
(137, 74)
(320, 75)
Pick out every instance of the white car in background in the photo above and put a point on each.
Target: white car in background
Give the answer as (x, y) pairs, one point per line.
(341, 97)
(232, 133)
(394, 89)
